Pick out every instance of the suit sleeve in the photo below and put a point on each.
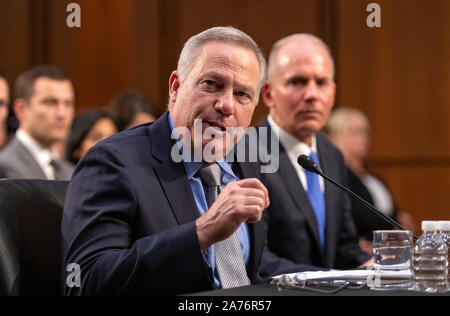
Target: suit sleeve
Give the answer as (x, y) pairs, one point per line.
(98, 235)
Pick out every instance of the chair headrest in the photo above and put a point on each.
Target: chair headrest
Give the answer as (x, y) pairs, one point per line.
(30, 236)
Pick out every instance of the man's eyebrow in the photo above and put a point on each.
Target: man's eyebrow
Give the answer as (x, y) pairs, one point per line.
(213, 75)
(297, 77)
(217, 76)
(246, 88)
(306, 78)
(49, 99)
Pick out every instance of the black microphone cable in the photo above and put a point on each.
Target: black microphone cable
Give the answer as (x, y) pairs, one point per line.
(308, 164)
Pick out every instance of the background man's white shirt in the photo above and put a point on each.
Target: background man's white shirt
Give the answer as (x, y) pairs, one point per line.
(42, 155)
(295, 148)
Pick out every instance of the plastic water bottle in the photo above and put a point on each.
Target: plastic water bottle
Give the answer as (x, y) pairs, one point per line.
(430, 261)
(444, 227)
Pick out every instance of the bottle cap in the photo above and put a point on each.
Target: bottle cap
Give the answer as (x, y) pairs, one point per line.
(430, 225)
(444, 225)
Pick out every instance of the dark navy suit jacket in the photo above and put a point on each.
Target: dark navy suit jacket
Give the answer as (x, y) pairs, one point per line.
(292, 230)
(129, 219)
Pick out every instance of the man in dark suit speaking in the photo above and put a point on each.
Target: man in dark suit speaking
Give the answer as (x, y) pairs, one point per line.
(309, 221)
(137, 220)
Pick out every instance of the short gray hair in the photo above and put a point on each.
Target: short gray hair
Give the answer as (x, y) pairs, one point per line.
(292, 38)
(222, 34)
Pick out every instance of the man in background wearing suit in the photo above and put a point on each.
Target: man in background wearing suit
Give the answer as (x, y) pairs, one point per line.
(44, 106)
(139, 220)
(309, 220)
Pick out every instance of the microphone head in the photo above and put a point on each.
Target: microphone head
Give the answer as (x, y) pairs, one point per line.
(308, 164)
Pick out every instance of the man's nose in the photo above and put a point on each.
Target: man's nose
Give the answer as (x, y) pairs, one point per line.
(225, 103)
(312, 91)
(63, 109)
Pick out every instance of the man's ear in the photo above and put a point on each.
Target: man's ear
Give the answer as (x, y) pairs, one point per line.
(174, 85)
(266, 92)
(19, 106)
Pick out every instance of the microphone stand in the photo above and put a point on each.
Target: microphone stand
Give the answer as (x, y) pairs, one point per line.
(383, 216)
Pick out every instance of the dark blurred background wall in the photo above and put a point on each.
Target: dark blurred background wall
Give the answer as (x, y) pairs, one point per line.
(399, 74)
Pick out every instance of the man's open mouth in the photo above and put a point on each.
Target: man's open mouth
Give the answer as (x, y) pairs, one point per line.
(216, 126)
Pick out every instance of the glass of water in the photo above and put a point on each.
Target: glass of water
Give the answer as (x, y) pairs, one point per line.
(392, 251)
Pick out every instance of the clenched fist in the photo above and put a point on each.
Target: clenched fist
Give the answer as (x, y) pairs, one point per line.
(241, 201)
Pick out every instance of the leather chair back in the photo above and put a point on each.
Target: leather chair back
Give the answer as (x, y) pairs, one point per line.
(30, 236)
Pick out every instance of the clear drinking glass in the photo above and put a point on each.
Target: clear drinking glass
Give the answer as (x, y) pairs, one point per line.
(392, 259)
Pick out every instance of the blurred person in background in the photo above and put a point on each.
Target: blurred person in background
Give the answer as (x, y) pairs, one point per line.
(87, 130)
(44, 106)
(4, 111)
(4, 104)
(132, 108)
(349, 130)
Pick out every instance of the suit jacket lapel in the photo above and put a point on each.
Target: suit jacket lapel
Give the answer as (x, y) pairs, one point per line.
(172, 175)
(178, 191)
(27, 161)
(295, 188)
(298, 194)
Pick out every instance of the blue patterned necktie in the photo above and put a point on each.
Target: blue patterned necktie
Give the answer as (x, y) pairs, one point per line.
(317, 199)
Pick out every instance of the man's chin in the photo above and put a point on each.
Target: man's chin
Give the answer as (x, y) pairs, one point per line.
(58, 136)
(57, 139)
(306, 131)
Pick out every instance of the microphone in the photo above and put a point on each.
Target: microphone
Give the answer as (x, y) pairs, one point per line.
(308, 164)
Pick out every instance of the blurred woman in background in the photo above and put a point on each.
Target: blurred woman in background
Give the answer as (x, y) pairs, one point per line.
(132, 108)
(87, 130)
(349, 130)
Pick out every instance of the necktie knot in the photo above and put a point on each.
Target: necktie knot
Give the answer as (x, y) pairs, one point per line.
(210, 175)
(54, 164)
(58, 170)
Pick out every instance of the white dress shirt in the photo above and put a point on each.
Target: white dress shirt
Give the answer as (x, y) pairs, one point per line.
(381, 197)
(42, 155)
(295, 148)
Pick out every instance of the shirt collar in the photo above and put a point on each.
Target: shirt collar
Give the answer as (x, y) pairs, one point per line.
(39, 152)
(192, 167)
(292, 145)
